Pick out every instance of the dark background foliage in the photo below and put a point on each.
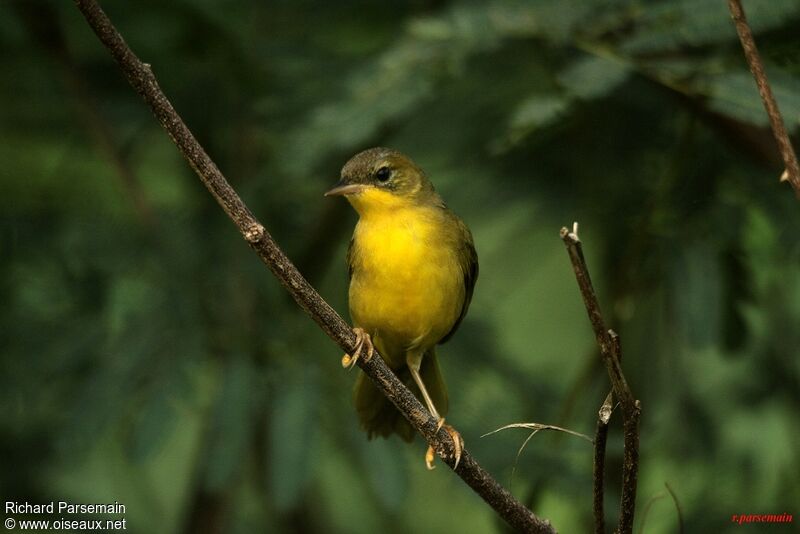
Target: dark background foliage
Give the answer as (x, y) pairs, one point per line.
(149, 358)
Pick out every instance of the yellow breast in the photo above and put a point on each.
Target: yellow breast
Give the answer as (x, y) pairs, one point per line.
(406, 287)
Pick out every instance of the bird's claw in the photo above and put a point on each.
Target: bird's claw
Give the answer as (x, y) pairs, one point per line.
(458, 446)
(362, 340)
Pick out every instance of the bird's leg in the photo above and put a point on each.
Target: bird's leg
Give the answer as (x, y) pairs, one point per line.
(362, 339)
(414, 361)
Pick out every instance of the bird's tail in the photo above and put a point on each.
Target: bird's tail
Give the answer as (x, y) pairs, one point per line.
(378, 415)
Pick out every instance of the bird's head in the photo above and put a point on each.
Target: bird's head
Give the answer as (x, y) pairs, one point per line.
(382, 178)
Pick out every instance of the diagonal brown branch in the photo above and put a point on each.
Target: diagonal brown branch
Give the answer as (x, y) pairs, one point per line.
(611, 353)
(144, 82)
(792, 172)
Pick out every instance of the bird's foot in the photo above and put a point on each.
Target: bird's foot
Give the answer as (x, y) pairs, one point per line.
(458, 446)
(362, 340)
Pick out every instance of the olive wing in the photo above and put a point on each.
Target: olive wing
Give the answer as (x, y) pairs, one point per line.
(468, 261)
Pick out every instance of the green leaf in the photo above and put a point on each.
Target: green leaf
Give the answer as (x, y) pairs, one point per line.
(670, 25)
(593, 77)
(538, 111)
(736, 94)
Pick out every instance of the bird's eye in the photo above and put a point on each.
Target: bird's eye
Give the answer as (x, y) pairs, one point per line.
(383, 174)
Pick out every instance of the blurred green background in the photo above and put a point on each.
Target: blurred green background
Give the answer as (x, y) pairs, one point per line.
(148, 356)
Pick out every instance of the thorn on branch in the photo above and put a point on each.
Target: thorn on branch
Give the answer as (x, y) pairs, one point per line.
(599, 466)
(605, 411)
(571, 236)
(254, 233)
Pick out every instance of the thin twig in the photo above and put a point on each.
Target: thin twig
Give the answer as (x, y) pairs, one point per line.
(605, 337)
(677, 507)
(630, 436)
(630, 468)
(652, 501)
(611, 352)
(144, 82)
(647, 507)
(599, 463)
(536, 427)
(792, 172)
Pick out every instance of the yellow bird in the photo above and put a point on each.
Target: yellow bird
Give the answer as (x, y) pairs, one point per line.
(413, 268)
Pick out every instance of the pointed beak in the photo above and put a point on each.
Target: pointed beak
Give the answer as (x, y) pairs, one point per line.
(344, 189)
